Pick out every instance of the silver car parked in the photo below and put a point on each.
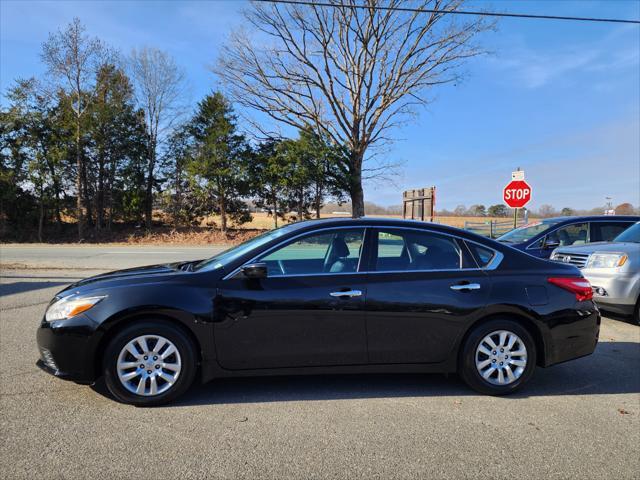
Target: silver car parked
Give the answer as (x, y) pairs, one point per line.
(613, 268)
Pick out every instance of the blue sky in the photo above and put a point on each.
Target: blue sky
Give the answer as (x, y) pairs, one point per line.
(559, 99)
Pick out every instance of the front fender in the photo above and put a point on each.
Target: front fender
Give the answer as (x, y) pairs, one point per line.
(187, 306)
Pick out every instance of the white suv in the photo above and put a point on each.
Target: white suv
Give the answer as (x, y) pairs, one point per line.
(613, 268)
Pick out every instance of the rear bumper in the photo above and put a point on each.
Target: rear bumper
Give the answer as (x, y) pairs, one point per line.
(67, 348)
(574, 336)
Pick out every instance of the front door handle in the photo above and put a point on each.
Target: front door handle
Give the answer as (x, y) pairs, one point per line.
(465, 286)
(348, 293)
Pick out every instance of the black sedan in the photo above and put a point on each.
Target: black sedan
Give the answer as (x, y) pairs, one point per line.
(324, 296)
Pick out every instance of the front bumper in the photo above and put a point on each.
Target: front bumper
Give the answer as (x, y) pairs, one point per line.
(613, 290)
(68, 347)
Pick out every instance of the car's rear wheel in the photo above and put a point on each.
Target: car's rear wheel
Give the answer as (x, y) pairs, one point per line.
(149, 363)
(498, 357)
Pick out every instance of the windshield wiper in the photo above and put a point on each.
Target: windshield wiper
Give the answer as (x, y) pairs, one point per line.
(187, 266)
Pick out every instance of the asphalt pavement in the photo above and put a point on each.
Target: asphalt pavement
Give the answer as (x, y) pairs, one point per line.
(580, 419)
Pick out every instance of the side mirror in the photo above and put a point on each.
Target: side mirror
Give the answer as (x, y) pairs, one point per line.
(551, 244)
(255, 270)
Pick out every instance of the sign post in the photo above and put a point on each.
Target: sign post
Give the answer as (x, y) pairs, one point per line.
(419, 204)
(516, 194)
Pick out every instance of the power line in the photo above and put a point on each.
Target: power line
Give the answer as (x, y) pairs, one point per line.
(454, 12)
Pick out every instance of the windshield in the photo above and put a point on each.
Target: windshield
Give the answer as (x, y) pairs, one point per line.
(233, 253)
(526, 232)
(631, 234)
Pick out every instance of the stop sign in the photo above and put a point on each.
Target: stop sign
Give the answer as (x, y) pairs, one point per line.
(517, 194)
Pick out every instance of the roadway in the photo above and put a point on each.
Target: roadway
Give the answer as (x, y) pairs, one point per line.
(81, 257)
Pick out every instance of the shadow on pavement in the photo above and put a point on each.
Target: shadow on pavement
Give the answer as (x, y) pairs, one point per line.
(22, 287)
(618, 317)
(610, 370)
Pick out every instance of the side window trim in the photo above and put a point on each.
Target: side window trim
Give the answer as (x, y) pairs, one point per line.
(370, 231)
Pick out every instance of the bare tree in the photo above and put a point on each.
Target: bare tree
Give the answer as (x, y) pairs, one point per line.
(350, 73)
(74, 58)
(159, 83)
(546, 210)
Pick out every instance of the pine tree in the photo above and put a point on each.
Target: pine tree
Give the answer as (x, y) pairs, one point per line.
(218, 161)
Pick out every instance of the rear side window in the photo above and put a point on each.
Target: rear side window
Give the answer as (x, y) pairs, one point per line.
(607, 231)
(411, 250)
(481, 254)
(390, 246)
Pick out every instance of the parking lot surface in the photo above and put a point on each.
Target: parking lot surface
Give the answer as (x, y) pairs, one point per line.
(575, 420)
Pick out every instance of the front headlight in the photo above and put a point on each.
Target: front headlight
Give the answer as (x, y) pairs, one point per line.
(70, 306)
(606, 260)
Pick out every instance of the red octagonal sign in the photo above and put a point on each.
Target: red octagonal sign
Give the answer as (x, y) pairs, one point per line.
(517, 194)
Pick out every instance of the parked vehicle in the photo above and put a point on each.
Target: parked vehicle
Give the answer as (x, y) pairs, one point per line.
(612, 268)
(324, 296)
(541, 237)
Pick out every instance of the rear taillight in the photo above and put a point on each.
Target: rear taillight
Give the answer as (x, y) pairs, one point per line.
(579, 286)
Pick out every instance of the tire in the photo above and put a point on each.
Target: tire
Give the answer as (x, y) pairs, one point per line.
(470, 353)
(171, 376)
(636, 313)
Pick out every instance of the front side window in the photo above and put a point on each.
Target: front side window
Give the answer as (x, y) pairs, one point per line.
(330, 251)
(411, 250)
(574, 234)
(231, 254)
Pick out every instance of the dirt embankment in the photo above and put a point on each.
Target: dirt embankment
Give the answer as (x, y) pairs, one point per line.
(131, 235)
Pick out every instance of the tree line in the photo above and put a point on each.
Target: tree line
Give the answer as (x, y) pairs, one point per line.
(99, 137)
(544, 211)
(103, 139)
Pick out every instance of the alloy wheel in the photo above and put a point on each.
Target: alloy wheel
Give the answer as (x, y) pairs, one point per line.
(501, 357)
(149, 365)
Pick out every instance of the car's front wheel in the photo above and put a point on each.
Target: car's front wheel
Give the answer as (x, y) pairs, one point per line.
(149, 363)
(498, 357)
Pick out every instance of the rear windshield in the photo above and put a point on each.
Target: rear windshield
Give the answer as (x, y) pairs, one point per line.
(527, 232)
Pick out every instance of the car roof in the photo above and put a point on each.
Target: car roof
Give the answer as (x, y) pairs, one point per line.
(371, 220)
(631, 218)
(363, 220)
(384, 221)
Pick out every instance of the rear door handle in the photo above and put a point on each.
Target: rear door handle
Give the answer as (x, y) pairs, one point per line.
(465, 286)
(348, 293)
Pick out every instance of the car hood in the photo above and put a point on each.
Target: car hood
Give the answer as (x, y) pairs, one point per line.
(138, 275)
(626, 247)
